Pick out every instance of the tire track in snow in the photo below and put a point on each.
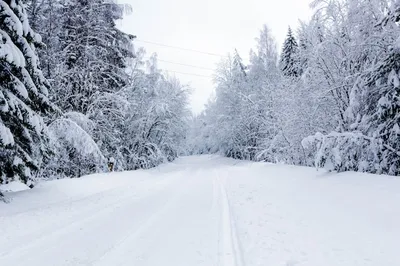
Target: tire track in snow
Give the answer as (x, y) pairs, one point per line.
(78, 219)
(72, 222)
(58, 204)
(231, 250)
(136, 232)
(216, 209)
(37, 236)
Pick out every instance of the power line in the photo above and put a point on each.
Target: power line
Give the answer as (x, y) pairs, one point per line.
(180, 48)
(181, 64)
(189, 74)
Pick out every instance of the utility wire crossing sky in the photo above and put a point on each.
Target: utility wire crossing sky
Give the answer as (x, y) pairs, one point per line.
(191, 37)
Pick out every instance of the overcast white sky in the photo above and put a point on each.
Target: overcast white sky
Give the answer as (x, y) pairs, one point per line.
(213, 26)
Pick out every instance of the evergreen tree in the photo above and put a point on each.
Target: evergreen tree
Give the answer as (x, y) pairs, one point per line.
(382, 107)
(23, 96)
(94, 53)
(44, 19)
(94, 70)
(289, 62)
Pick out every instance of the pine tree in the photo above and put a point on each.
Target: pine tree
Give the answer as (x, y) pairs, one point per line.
(289, 58)
(44, 19)
(383, 105)
(23, 96)
(95, 52)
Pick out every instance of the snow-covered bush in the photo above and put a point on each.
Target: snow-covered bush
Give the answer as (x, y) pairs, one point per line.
(75, 151)
(108, 113)
(350, 151)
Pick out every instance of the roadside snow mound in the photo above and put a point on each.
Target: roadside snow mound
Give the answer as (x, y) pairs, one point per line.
(14, 186)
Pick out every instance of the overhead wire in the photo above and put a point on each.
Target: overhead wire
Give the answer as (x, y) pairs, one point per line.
(189, 74)
(185, 73)
(180, 48)
(183, 64)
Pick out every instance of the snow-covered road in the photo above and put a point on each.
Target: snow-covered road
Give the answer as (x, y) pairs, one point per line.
(206, 210)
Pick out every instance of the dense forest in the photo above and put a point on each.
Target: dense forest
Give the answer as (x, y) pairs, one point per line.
(75, 93)
(330, 99)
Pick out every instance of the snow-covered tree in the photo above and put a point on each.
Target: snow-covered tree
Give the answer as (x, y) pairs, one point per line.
(334, 102)
(23, 97)
(366, 138)
(289, 61)
(75, 151)
(156, 118)
(110, 104)
(94, 53)
(241, 121)
(384, 114)
(231, 81)
(44, 17)
(264, 79)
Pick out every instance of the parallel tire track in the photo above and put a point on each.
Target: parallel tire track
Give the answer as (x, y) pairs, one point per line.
(232, 252)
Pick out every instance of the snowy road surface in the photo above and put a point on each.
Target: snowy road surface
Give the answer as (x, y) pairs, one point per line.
(206, 210)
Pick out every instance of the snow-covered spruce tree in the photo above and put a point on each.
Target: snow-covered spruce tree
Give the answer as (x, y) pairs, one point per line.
(381, 122)
(94, 51)
(23, 97)
(289, 61)
(85, 60)
(44, 17)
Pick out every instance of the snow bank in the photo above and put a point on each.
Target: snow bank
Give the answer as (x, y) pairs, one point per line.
(14, 186)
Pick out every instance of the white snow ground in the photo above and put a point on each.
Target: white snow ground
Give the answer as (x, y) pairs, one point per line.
(206, 210)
